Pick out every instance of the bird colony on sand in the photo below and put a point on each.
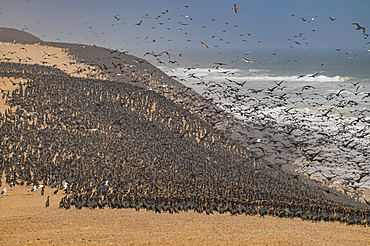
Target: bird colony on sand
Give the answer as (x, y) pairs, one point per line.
(322, 140)
(112, 144)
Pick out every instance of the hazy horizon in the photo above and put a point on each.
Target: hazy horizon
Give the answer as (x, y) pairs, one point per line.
(169, 25)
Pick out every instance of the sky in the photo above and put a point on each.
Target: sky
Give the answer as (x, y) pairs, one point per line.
(265, 24)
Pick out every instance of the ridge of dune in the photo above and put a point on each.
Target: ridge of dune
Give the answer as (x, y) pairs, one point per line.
(14, 35)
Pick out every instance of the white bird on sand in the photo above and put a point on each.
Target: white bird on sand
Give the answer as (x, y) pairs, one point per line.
(28, 114)
(34, 188)
(3, 192)
(64, 186)
(96, 129)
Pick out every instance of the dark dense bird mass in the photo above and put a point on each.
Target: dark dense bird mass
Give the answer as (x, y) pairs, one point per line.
(321, 148)
(116, 145)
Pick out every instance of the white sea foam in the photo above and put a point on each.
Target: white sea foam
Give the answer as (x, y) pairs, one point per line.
(258, 75)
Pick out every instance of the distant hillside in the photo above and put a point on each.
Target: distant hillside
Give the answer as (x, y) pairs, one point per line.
(10, 34)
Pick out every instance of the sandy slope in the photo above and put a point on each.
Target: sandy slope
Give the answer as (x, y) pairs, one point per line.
(44, 55)
(24, 220)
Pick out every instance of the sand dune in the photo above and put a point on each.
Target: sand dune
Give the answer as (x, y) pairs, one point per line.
(25, 220)
(47, 56)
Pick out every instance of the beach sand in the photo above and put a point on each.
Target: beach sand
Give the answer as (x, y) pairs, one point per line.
(26, 221)
(45, 55)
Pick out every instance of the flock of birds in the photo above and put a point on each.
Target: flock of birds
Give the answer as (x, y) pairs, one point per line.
(170, 27)
(333, 134)
(162, 23)
(319, 148)
(164, 148)
(152, 154)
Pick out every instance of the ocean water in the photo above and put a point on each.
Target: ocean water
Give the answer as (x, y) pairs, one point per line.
(325, 92)
(317, 75)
